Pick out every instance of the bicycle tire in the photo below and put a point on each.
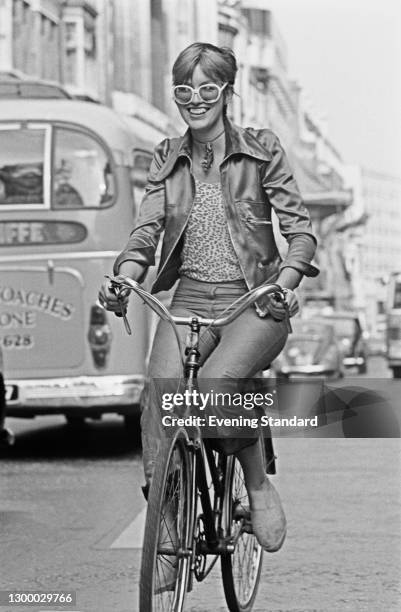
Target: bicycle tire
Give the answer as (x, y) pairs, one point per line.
(167, 529)
(242, 568)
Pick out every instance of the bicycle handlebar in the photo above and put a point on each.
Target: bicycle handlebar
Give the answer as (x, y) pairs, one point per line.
(243, 302)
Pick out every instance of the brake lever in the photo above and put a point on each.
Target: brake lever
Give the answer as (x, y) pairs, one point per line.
(116, 289)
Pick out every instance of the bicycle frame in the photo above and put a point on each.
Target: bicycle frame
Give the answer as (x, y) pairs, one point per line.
(216, 540)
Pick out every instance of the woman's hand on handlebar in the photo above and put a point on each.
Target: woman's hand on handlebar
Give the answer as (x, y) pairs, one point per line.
(278, 308)
(112, 300)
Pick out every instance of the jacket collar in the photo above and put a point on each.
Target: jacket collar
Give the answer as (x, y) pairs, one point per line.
(239, 141)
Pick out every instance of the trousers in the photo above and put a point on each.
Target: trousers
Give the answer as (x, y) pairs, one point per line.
(236, 351)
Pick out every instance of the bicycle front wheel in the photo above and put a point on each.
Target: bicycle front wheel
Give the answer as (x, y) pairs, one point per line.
(165, 555)
(241, 569)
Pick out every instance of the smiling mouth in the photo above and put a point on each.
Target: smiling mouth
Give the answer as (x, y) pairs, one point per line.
(197, 112)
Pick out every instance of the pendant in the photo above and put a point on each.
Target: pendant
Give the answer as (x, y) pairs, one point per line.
(208, 157)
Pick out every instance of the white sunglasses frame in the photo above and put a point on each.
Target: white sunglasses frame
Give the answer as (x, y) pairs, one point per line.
(196, 91)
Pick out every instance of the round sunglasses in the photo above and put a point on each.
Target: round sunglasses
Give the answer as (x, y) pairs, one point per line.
(209, 92)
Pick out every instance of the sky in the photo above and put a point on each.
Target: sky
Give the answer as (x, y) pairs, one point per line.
(346, 55)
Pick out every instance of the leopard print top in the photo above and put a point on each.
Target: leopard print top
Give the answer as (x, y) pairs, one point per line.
(208, 254)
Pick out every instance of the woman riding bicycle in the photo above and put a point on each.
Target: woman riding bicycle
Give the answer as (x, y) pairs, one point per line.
(211, 192)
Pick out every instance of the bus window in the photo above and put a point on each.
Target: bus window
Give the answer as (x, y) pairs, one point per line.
(82, 175)
(22, 156)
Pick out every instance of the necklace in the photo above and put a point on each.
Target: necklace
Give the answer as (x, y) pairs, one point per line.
(208, 153)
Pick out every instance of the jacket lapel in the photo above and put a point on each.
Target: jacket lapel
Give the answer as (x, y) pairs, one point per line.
(239, 141)
(245, 142)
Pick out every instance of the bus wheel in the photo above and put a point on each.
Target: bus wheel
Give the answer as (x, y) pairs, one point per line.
(397, 372)
(133, 427)
(75, 420)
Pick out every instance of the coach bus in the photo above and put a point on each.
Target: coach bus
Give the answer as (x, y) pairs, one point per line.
(71, 176)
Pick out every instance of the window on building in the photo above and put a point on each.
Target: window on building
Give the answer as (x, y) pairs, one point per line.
(397, 295)
(226, 36)
(52, 32)
(90, 42)
(71, 69)
(70, 34)
(259, 21)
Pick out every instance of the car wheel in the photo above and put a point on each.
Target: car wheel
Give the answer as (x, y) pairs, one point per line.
(362, 369)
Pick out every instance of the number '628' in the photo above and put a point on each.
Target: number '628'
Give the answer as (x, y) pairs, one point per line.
(16, 341)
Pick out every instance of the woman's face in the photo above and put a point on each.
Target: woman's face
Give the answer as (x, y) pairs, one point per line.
(203, 117)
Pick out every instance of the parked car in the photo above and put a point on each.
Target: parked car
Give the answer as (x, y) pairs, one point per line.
(352, 337)
(311, 350)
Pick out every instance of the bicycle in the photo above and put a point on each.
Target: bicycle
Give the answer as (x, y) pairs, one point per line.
(197, 502)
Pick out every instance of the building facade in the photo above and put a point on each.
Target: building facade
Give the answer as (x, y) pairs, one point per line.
(120, 52)
(380, 251)
(31, 38)
(55, 40)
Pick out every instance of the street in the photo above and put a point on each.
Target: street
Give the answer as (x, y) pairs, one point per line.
(72, 514)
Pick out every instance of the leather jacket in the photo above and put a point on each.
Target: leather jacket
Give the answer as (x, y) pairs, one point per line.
(255, 176)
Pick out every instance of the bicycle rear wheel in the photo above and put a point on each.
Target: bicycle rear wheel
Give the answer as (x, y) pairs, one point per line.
(164, 567)
(241, 569)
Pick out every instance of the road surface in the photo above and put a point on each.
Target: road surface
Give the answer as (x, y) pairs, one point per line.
(71, 517)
